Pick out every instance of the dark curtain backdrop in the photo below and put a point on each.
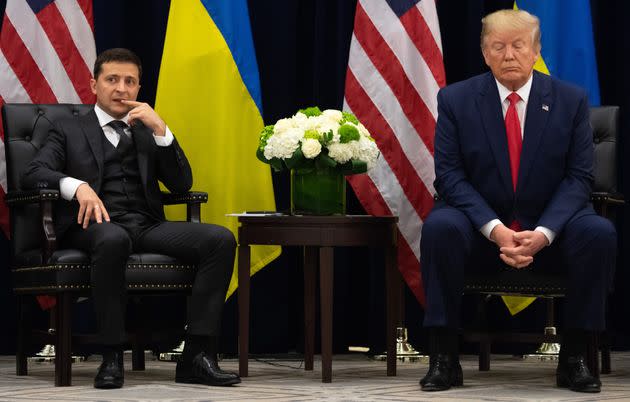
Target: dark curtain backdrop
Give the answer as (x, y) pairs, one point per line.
(302, 50)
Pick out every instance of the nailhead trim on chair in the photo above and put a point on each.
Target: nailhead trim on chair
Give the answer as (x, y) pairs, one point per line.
(84, 266)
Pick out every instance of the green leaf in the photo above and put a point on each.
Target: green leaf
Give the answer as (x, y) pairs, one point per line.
(323, 161)
(295, 159)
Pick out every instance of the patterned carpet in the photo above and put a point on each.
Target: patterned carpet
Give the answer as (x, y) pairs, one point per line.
(355, 378)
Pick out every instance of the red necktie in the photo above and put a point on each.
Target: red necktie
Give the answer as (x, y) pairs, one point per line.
(514, 141)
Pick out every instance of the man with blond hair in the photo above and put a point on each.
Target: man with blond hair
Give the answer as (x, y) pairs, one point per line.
(513, 166)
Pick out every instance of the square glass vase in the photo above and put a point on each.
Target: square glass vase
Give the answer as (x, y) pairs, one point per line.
(320, 191)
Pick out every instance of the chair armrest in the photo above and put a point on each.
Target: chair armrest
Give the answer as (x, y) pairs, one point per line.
(31, 196)
(601, 201)
(191, 197)
(193, 201)
(45, 198)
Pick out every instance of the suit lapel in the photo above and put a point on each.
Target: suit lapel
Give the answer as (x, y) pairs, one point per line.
(93, 133)
(489, 105)
(538, 109)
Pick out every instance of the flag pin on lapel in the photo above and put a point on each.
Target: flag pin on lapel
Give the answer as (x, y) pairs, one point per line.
(545, 107)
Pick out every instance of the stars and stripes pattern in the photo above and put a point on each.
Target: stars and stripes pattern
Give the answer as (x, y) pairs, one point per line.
(395, 71)
(46, 55)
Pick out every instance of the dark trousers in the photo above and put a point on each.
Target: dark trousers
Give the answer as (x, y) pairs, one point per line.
(585, 250)
(109, 244)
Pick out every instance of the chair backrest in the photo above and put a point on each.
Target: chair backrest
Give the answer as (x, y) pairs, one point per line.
(26, 128)
(605, 123)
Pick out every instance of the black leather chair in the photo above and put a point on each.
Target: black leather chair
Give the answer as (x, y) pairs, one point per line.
(40, 268)
(605, 123)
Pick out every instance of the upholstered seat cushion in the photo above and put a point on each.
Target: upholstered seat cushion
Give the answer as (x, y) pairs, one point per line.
(69, 269)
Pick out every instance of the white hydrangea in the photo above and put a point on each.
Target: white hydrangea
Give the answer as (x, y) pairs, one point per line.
(367, 151)
(283, 145)
(311, 148)
(332, 114)
(341, 153)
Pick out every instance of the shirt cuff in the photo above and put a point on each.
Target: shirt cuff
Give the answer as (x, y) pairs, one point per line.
(549, 234)
(68, 187)
(486, 229)
(166, 140)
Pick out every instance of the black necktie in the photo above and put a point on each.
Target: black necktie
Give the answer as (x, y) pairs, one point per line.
(119, 126)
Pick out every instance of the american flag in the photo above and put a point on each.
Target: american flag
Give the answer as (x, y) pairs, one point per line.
(46, 54)
(395, 71)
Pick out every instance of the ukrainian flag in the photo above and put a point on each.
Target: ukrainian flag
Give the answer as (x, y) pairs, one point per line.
(568, 53)
(209, 95)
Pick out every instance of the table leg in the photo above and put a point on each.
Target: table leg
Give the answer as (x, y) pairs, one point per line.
(393, 292)
(326, 304)
(310, 279)
(243, 309)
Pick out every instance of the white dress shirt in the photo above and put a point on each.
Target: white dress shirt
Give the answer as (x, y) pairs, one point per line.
(68, 185)
(521, 110)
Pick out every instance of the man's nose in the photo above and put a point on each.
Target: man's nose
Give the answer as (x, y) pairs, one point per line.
(509, 52)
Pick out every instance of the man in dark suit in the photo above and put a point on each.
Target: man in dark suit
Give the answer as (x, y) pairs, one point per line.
(513, 165)
(106, 165)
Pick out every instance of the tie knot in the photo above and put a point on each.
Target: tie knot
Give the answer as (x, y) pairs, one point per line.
(513, 98)
(117, 125)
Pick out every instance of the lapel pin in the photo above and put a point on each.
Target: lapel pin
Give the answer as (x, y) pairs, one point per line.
(545, 107)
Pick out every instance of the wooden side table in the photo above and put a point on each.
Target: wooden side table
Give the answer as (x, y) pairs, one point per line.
(319, 235)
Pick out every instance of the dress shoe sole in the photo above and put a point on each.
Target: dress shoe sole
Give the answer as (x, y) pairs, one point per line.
(564, 383)
(113, 384)
(195, 380)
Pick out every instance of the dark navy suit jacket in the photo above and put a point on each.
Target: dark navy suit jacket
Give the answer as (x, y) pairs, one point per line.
(472, 162)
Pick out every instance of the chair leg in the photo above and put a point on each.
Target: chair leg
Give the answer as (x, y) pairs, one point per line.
(63, 347)
(592, 355)
(605, 349)
(23, 337)
(485, 345)
(137, 351)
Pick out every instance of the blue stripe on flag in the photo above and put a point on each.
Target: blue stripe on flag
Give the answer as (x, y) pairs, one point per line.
(38, 5)
(400, 7)
(568, 48)
(232, 19)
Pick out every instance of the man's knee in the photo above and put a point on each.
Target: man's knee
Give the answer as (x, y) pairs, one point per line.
(219, 238)
(446, 226)
(112, 239)
(592, 232)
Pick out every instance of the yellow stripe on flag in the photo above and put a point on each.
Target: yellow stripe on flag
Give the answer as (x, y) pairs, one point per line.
(205, 103)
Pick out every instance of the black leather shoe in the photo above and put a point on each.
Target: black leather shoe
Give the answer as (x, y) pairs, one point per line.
(575, 375)
(204, 369)
(444, 372)
(111, 372)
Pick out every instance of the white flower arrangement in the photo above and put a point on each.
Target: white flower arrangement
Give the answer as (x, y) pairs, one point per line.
(314, 139)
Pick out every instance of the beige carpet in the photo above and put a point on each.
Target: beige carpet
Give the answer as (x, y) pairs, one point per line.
(355, 378)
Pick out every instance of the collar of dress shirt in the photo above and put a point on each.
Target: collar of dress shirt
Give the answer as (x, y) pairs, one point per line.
(104, 118)
(523, 91)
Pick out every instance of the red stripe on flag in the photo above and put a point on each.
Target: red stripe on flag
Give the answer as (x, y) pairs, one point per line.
(86, 7)
(409, 267)
(368, 195)
(57, 31)
(24, 66)
(421, 35)
(374, 204)
(393, 73)
(365, 110)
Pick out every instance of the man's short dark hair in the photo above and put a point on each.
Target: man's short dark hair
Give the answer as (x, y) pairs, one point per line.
(119, 55)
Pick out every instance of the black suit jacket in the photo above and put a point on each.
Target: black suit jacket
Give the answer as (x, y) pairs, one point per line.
(75, 149)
